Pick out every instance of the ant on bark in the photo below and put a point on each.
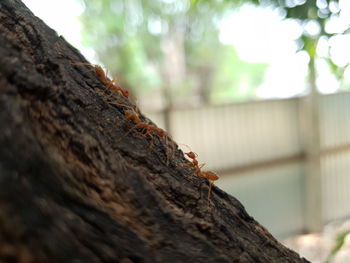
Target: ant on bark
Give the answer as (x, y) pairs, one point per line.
(194, 162)
(193, 156)
(211, 176)
(146, 128)
(104, 78)
(132, 113)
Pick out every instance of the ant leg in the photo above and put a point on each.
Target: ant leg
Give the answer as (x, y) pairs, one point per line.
(194, 174)
(124, 106)
(112, 92)
(127, 108)
(201, 165)
(135, 126)
(196, 169)
(209, 191)
(148, 133)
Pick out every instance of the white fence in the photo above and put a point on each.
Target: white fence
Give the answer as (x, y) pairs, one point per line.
(259, 150)
(335, 161)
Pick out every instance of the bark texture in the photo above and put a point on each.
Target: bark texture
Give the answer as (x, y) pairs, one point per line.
(74, 188)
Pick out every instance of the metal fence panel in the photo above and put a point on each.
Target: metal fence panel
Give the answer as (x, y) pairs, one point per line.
(239, 134)
(334, 120)
(335, 185)
(274, 197)
(335, 165)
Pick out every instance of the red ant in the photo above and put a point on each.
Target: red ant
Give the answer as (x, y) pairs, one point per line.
(146, 127)
(211, 176)
(149, 128)
(105, 80)
(131, 114)
(194, 162)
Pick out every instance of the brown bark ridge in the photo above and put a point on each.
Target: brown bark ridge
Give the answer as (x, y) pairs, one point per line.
(75, 188)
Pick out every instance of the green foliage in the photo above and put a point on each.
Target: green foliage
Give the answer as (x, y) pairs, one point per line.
(310, 45)
(131, 38)
(236, 79)
(338, 245)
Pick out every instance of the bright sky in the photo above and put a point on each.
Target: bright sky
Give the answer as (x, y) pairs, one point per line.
(62, 16)
(261, 35)
(258, 34)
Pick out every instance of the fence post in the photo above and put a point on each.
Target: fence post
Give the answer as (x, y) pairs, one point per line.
(311, 142)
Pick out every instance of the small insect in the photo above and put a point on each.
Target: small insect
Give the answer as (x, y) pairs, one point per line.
(211, 176)
(131, 115)
(147, 128)
(115, 87)
(194, 162)
(104, 78)
(193, 156)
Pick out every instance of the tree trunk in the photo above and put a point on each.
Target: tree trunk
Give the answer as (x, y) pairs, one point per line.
(76, 186)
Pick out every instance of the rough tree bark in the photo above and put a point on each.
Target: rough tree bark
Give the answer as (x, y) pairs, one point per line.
(73, 188)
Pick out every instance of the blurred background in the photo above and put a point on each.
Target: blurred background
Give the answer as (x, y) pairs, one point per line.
(260, 90)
